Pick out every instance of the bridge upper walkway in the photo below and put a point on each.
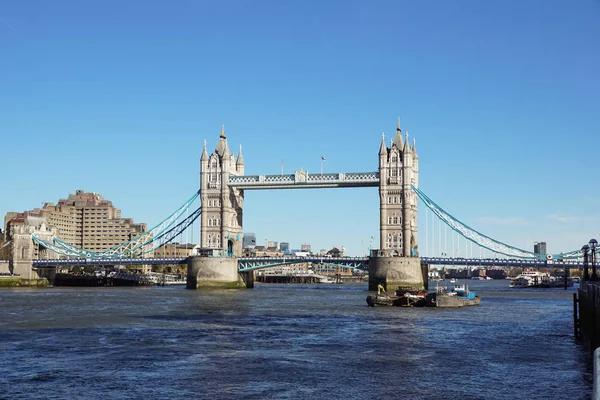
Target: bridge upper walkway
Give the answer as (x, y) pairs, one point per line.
(305, 180)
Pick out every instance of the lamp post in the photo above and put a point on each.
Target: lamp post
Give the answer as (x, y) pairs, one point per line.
(593, 245)
(586, 273)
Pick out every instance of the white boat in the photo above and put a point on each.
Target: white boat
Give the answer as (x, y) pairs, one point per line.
(452, 280)
(531, 278)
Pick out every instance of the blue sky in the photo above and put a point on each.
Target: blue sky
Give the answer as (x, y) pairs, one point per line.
(502, 97)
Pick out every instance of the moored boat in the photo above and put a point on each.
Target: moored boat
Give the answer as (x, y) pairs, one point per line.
(537, 279)
(458, 296)
(403, 297)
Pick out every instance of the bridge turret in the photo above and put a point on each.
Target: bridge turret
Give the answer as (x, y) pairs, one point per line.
(415, 163)
(382, 151)
(239, 164)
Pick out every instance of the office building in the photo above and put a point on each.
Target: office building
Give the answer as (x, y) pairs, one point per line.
(85, 220)
(249, 240)
(539, 248)
(305, 247)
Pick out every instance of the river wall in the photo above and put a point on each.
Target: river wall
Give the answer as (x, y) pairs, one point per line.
(587, 322)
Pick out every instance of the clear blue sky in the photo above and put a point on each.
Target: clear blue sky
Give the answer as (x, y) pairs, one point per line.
(117, 97)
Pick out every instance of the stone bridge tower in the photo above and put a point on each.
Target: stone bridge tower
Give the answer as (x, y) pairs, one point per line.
(221, 222)
(221, 206)
(25, 250)
(397, 262)
(398, 170)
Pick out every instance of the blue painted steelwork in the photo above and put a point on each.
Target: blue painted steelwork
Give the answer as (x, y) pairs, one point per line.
(485, 241)
(253, 263)
(108, 261)
(501, 262)
(162, 233)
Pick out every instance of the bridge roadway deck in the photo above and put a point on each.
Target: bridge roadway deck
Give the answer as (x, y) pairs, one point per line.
(251, 263)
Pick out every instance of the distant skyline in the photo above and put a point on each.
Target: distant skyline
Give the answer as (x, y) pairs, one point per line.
(118, 97)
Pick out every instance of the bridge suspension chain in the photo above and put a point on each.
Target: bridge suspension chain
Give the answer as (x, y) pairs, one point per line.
(485, 241)
(139, 245)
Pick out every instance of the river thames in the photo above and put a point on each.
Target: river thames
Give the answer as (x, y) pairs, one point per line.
(287, 342)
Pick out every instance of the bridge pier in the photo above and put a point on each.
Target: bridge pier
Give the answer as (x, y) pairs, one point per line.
(392, 272)
(215, 272)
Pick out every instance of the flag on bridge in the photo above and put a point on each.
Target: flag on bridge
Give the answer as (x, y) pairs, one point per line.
(323, 158)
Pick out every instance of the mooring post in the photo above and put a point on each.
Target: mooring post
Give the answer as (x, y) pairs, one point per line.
(575, 316)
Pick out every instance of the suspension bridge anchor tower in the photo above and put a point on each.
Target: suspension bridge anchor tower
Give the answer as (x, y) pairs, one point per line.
(25, 250)
(221, 221)
(397, 261)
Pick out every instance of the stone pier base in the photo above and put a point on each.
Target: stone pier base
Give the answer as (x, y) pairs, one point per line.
(392, 272)
(24, 269)
(213, 272)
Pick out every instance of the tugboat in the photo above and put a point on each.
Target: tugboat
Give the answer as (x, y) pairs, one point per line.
(459, 296)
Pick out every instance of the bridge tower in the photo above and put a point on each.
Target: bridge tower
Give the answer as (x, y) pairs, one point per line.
(221, 220)
(24, 250)
(397, 261)
(221, 206)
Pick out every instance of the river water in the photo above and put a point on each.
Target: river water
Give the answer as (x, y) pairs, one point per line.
(286, 342)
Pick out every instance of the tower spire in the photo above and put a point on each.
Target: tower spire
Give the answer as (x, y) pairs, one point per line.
(382, 148)
(398, 138)
(204, 152)
(240, 159)
(222, 147)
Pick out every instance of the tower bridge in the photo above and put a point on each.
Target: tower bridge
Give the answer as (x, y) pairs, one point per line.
(223, 186)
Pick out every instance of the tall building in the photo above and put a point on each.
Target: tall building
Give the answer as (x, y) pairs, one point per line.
(284, 247)
(249, 240)
(305, 247)
(398, 170)
(539, 248)
(85, 220)
(271, 244)
(221, 206)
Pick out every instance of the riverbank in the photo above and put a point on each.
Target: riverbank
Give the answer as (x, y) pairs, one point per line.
(11, 282)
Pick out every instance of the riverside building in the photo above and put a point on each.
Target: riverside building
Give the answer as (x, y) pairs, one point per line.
(85, 220)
